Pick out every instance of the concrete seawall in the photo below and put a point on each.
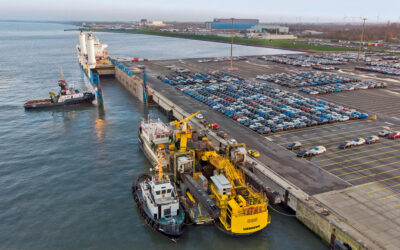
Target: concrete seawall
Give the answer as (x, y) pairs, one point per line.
(319, 218)
(132, 83)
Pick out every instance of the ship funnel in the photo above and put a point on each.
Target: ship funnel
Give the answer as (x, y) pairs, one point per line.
(82, 42)
(91, 52)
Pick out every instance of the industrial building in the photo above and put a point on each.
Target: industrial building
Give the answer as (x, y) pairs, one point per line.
(269, 29)
(226, 23)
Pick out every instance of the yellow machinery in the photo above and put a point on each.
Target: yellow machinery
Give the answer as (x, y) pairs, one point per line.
(243, 211)
(184, 131)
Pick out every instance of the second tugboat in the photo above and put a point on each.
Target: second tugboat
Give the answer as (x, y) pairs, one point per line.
(66, 97)
(158, 204)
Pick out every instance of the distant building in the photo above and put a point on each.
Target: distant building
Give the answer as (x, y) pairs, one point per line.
(226, 24)
(156, 23)
(269, 29)
(143, 22)
(311, 32)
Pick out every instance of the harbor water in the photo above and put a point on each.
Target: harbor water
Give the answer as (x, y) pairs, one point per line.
(66, 175)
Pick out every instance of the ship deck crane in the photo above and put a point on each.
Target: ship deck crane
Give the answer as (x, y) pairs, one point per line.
(183, 132)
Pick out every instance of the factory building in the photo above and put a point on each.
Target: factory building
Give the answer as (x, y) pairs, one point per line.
(226, 24)
(269, 28)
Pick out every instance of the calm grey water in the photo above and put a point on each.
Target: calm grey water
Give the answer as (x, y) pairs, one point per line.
(65, 175)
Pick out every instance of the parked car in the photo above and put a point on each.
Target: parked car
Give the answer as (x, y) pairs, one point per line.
(232, 142)
(371, 139)
(394, 135)
(294, 145)
(384, 133)
(318, 150)
(199, 116)
(222, 134)
(346, 144)
(304, 153)
(253, 153)
(358, 141)
(214, 126)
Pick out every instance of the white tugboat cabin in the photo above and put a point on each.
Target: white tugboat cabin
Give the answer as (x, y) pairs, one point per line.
(161, 198)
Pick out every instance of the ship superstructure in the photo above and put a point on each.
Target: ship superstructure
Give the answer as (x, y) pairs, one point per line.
(154, 135)
(94, 62)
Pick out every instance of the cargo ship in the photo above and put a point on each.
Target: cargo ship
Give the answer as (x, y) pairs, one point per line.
(94, 62)
(211, 185)
(67, 96)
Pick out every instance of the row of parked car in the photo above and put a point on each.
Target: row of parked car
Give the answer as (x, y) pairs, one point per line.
(223, 59)
(305, 60)
(390, 134)
(197, 78)
(303, 79)
(321, 90)
(380, 69)
(358, 142)
(306, 152)
(395, 65)
(178, 69)
(260, 107)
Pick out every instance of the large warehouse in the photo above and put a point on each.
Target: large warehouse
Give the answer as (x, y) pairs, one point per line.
(226, 23)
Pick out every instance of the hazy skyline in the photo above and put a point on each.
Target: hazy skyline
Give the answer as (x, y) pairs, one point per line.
(180, 10)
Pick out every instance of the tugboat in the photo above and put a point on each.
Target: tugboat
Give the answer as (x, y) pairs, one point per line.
(66, 97)
(158, 203)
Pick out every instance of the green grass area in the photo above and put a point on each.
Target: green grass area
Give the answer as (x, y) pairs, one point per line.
(286, 44)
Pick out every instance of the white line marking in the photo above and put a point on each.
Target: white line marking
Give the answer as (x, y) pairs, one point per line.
(334, 135)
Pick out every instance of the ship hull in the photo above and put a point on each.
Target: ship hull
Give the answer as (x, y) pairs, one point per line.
(173, 231)
(145, 147)
(48, 104)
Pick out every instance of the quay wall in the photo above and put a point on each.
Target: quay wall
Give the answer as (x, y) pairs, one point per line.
(308, 210)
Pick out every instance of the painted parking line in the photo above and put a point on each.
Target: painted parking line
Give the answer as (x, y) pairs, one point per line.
(389, 196)
(378, 181)
(338, 141)
(361, 157)
(360, 152)
(348, 134)
(384, 188)
(315, 127)
(362, 170)
(371, 175)
(362, 163)
(346, 150)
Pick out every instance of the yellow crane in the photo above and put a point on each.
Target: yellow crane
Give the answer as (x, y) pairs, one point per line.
(184, 131)
(243, 210)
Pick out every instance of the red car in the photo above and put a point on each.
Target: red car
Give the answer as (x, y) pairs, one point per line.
(394, 135)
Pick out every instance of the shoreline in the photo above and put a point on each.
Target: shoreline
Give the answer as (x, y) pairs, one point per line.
(253, 42)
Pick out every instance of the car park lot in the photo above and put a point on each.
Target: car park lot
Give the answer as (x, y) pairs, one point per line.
(357, 165)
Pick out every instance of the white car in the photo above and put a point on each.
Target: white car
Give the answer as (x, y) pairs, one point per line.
(318, 150)
(232, 142)
(344, 118)
(384, 133)
(358, 141)
(199, 116)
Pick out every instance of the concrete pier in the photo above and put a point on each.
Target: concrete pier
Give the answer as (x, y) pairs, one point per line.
(328, 205)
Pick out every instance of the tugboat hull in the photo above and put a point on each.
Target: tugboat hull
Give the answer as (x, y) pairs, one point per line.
(173, 231)
(87, 99)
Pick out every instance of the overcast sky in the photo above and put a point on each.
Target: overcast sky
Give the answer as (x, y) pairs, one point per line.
(202, 10)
